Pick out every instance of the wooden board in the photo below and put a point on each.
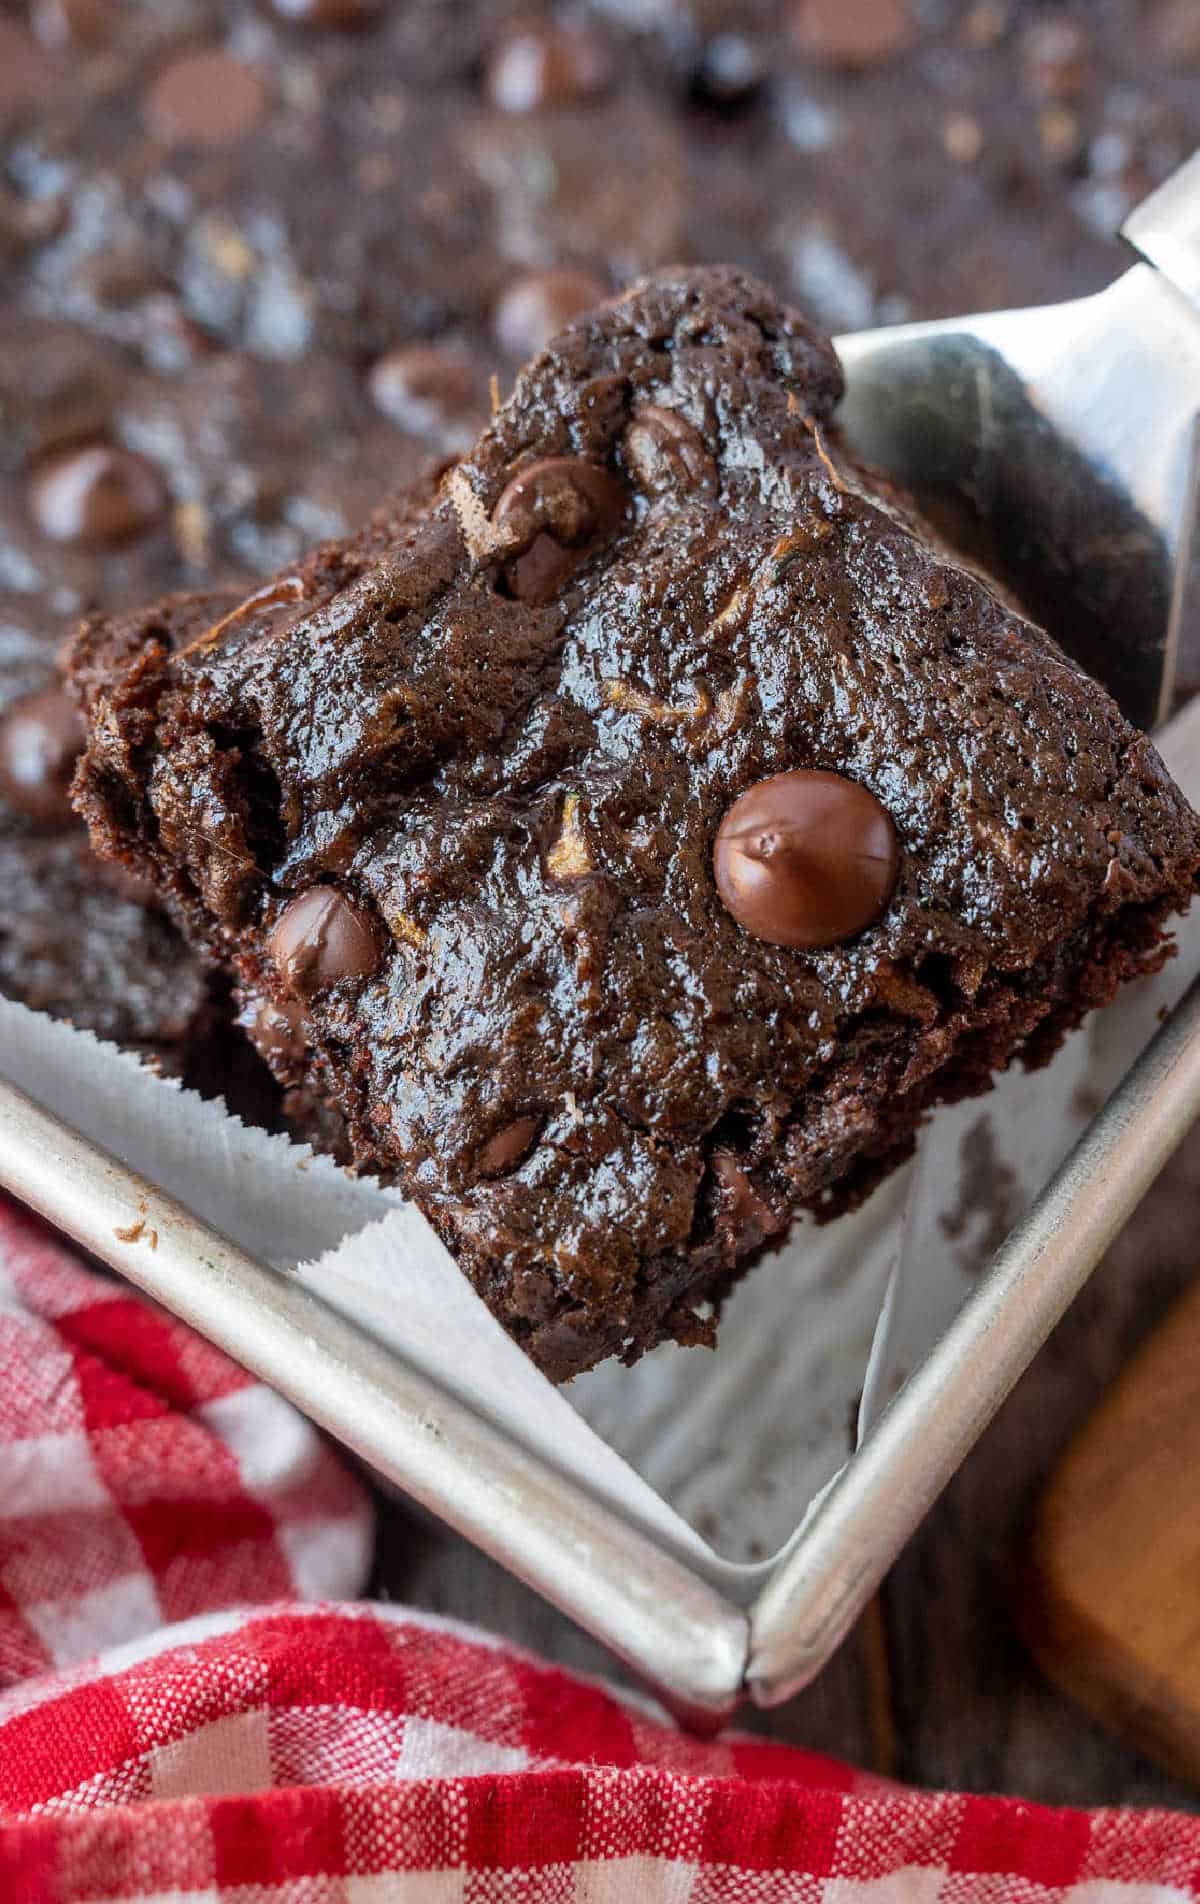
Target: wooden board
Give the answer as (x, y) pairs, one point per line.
(1114, 1609)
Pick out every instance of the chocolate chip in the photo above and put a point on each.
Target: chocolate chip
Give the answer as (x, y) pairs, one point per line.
(1054, 58)
(321, 938)
(548, 66)
(851, 33)
(567, 496)
(806, 859)
(962, 138)
(98, 493)
(666, 452)
(538, 574)
(41, 737)
(748, 1215)
(275, 1030)
(730, 71)
(556, 510)
(326, 12)
(536, 308)
(422, 388)
(204, 98)
(506, 1149)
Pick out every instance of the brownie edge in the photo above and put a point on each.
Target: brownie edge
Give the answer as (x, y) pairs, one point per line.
(444, 798)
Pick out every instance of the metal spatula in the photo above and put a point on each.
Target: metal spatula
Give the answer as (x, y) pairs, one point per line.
(1058, 445)
(1062, 444)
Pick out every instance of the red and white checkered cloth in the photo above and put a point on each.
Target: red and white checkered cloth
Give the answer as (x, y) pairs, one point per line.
(341, 1754)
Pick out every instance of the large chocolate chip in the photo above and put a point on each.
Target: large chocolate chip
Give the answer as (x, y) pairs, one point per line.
(320, 939)
(41, 737)
(666, 452)
(806, 859)
(536, 308)
(556, 510)
(548, 65)
(98, 493)
(505, 1150)
(851, 33)
(204, 97)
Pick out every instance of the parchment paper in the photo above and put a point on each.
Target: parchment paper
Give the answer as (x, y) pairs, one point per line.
(719, 1453)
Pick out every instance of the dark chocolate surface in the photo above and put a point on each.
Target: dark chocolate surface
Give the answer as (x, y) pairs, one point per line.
(455, 808)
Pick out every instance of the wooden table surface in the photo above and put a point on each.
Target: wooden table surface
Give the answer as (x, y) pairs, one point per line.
(934, 1687)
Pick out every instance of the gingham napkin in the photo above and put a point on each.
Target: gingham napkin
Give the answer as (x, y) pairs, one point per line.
(340, 1754)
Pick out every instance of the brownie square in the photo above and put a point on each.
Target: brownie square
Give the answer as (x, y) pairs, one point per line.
(632, 835)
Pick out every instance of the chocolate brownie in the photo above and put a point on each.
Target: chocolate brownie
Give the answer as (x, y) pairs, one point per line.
(631, 837)
(261, 257)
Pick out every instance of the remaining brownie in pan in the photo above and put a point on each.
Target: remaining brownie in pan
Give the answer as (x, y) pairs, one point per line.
(80, 939)
(632, 837)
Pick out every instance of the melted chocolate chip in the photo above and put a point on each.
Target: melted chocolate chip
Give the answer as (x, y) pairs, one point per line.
(505, 1150)
(851, 33)
(538, 574)
(806, 859)
(98, 493)
(41, 737)
(548, 66)
(749, 1216)
(666, 452)
(283, 592)
(536, 308)
(421, 387)
(557, 509)
(205, 98)
(320, 939)
(275, 1030)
